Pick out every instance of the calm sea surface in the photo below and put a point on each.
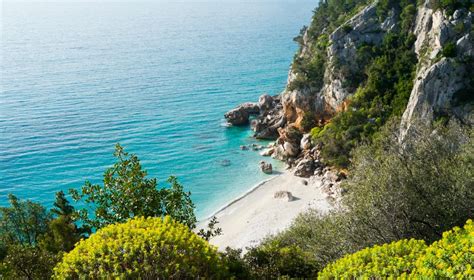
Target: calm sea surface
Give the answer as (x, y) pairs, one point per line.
(157, 78)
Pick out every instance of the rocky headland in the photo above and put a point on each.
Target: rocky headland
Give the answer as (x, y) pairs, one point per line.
(442, 80)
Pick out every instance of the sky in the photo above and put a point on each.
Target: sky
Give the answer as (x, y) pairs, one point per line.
(164, 1)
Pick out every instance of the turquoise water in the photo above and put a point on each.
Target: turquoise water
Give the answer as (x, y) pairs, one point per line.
(78, 78)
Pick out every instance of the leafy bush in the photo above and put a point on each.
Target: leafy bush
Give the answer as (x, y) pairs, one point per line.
(271, 261)
(449, 50)
(377, 262)
(147, 248)
(451, 5)
(396, 189)
(451, 257)
(127, 193)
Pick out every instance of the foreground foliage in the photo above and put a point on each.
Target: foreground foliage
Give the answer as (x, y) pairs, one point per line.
(127, 192)
(379, 262)
(149, 248)
(451, 257)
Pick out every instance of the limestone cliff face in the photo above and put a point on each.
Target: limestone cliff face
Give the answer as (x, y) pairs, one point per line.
(441, 82)
(324, 102)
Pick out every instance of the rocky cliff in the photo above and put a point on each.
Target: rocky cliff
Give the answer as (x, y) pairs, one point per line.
(330, 70)
(443, 85)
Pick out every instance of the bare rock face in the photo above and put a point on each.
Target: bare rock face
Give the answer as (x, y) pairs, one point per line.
(241, 114)
(265, 102)
(285, 195)
(271, 118)
(440, 83)
(306, 142)
(325, 101)
(266, 167)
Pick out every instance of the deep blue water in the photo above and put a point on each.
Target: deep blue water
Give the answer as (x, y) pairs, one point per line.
(78, 78)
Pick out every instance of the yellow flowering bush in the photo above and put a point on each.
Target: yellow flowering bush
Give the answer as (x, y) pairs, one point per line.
(385, 261)
(142, 248)
(451, 257)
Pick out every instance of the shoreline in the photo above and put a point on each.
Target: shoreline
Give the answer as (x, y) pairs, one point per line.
(249, 218)
(238, 198)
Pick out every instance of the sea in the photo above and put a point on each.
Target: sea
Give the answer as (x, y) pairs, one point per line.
(77, 78)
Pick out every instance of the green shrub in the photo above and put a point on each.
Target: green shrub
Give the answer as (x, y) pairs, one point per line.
(377, 262)
(147, 248)
(449, 50)
(416, 188)
(451, 257)
(127, 192)
(271, 261)
(346, 28)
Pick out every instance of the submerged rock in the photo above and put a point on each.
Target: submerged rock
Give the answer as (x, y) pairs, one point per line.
(225, 162)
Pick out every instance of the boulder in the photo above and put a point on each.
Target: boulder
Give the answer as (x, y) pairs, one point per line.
(268, 152)
(305, 168)
(266, 167)
(286, 195)
(279, 153)
(241, 114)
(265, 102)
(305, 142)
(291, 150)
(244, 148)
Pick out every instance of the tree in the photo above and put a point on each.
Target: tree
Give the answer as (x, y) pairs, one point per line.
(28, 262)
(24, 222)
(22, 225)
(142, 248)
(127, 192)
(63, 232)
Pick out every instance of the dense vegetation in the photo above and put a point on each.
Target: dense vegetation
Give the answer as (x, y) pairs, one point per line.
(416, 188)
(33, 239)
(382, 92)
(150, 248)
(127, 192)
(449, 258)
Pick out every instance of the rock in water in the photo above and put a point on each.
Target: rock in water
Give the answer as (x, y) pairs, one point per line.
(225, 162)
(284, 195)
(266, 167)
(241, 114)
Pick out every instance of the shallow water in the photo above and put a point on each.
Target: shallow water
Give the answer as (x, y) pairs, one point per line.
(78, 78)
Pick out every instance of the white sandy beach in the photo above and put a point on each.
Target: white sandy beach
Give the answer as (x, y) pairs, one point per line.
(257, 214)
